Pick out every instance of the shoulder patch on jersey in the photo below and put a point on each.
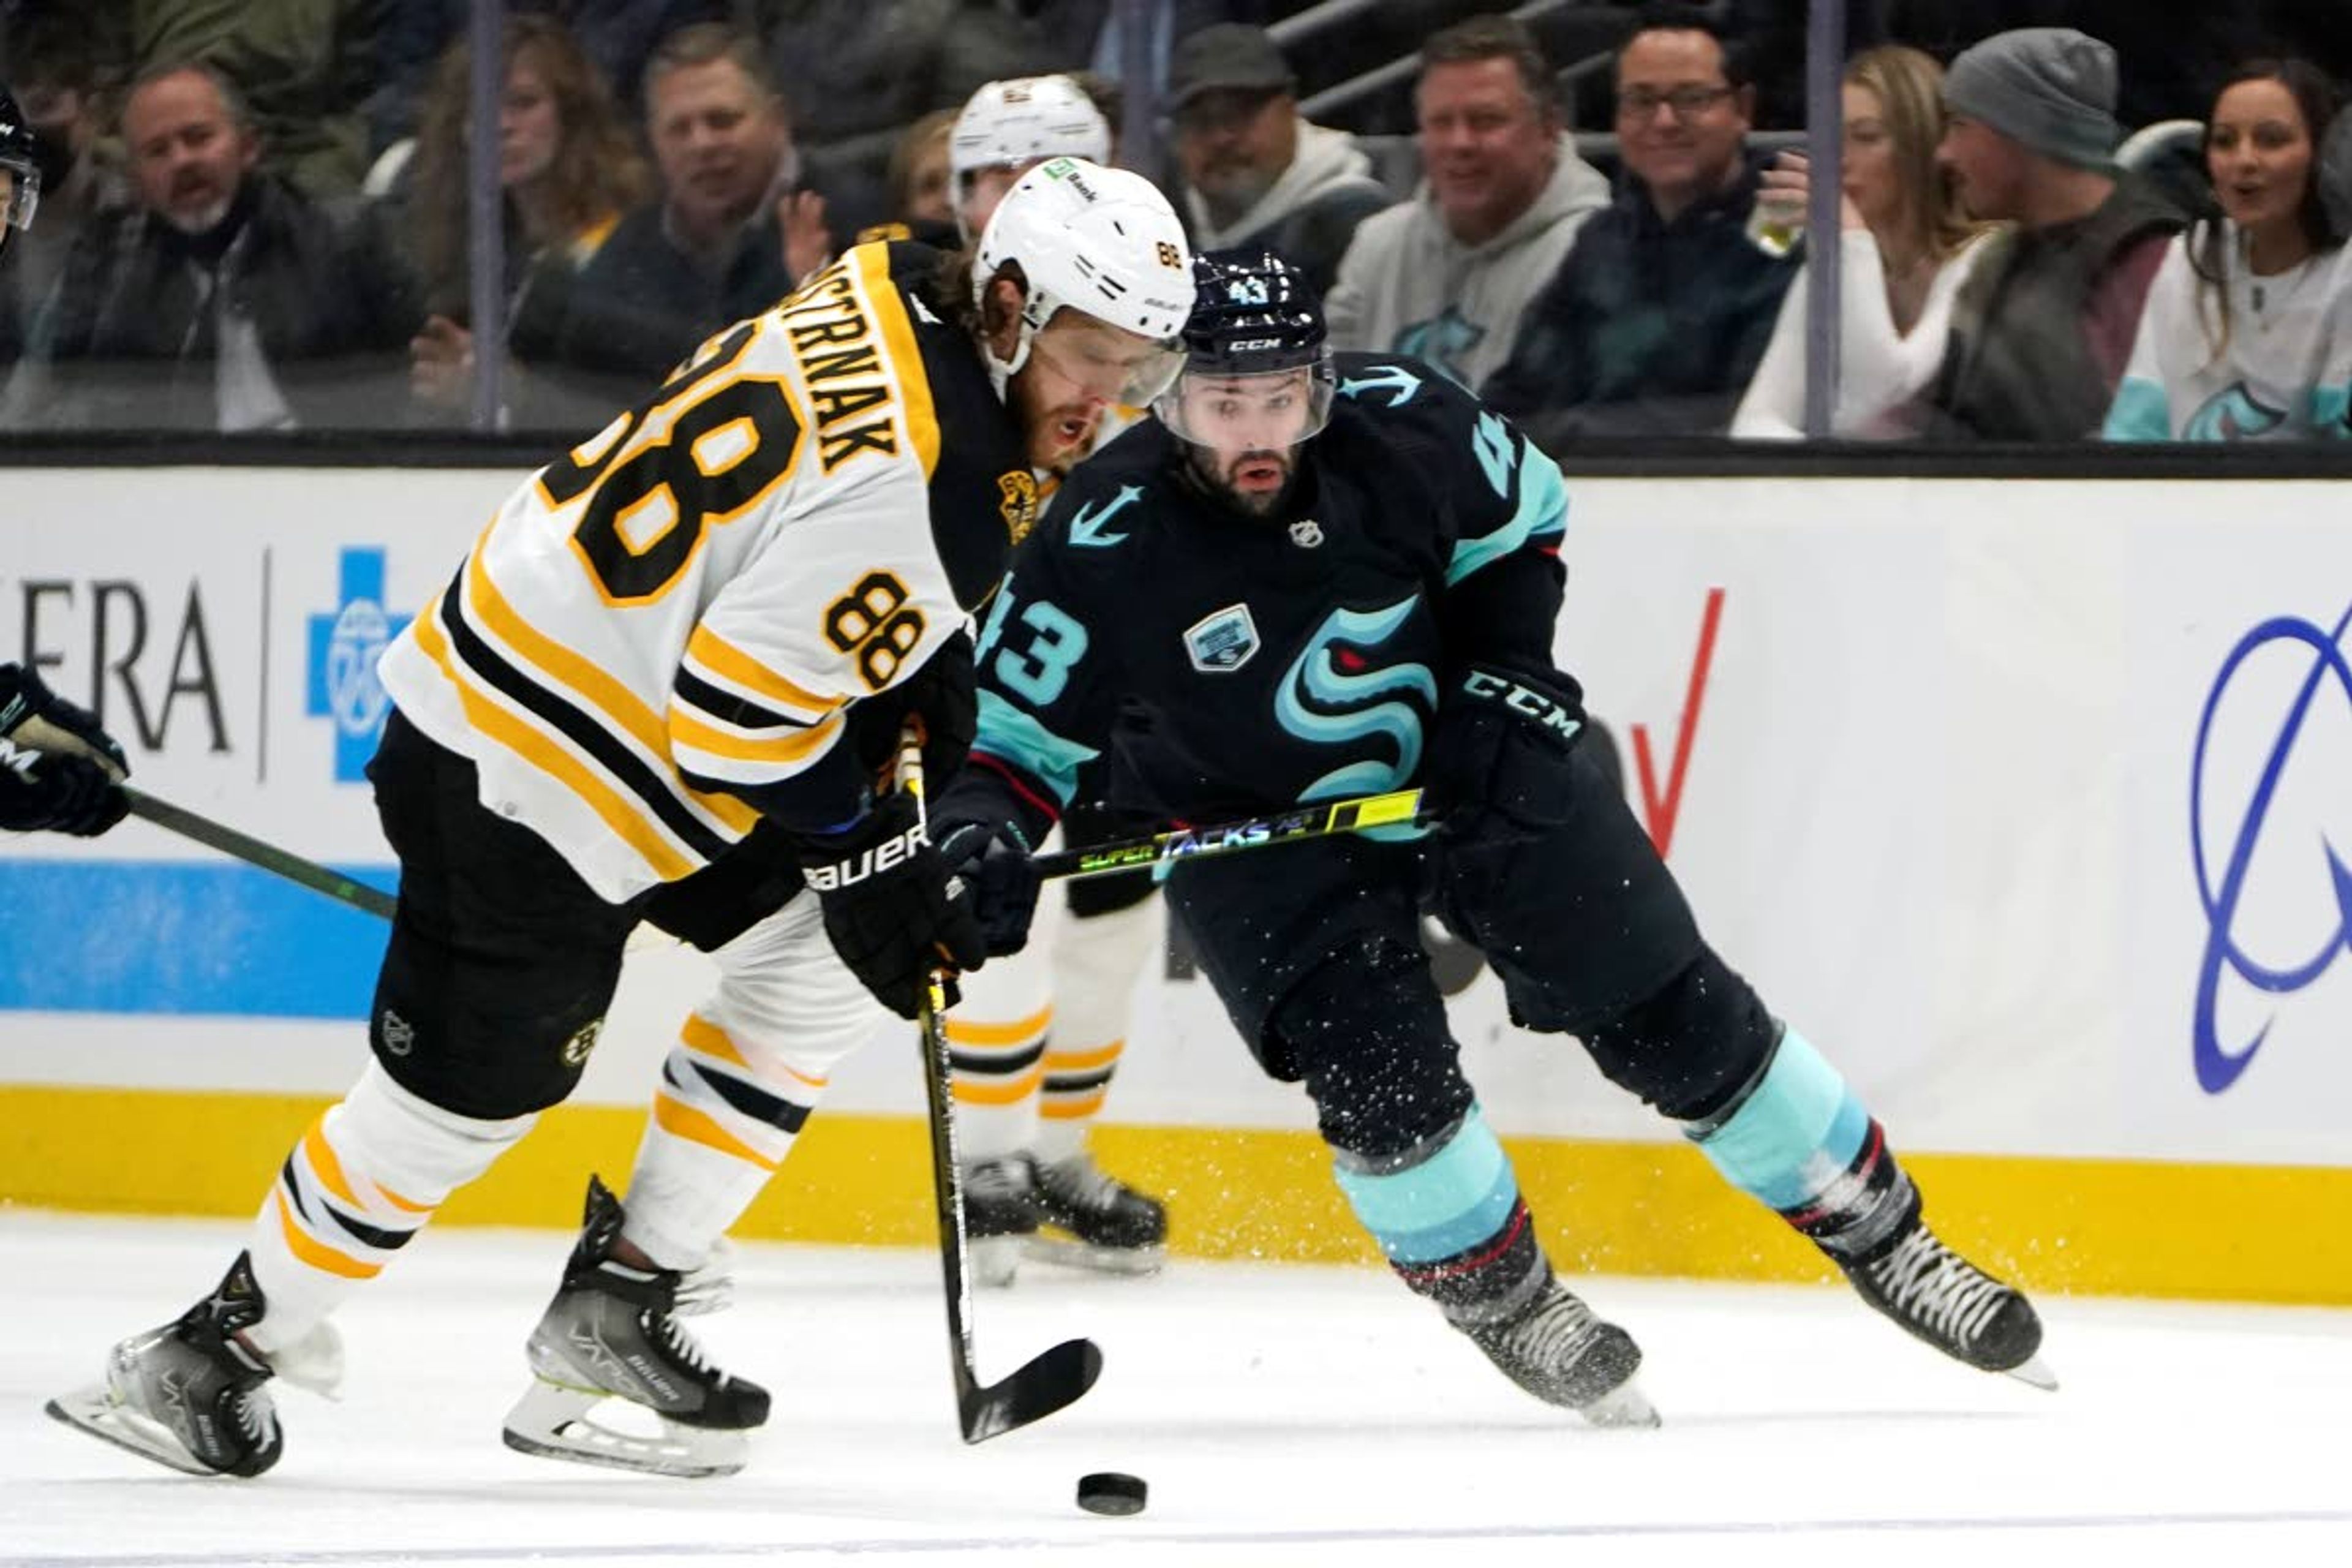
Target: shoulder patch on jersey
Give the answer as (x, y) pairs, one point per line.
(1019, 507)
(1086, 528)
(1223, 642)
(1399, 383)
(1493, 443)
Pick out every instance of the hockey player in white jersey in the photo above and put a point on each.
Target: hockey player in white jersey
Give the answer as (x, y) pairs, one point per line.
(661, 688)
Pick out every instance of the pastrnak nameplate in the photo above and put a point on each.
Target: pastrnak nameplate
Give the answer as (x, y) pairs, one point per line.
(1222, 642)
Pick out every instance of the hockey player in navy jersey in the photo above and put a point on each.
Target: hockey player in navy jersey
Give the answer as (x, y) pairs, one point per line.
(1321, 576)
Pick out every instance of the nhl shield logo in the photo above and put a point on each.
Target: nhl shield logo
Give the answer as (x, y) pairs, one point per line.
(1223, 641)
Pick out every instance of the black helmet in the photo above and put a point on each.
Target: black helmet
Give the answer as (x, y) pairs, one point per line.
(1253, 315)
(1252, 311)
(19, 154)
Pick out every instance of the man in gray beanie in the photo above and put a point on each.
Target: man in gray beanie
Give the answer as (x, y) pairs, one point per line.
(2042, 329)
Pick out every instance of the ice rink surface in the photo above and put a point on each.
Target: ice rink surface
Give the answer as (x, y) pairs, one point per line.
(1282, 1414)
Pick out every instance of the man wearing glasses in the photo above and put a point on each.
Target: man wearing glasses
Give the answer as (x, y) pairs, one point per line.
(1655, 321)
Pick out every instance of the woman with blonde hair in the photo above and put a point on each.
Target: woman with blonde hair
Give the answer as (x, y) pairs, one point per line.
(2247, 334)
(568, 169)
(1905, 248)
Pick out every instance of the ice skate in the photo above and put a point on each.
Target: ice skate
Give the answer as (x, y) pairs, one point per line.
(1001, 1213)
(611, 1333)
(189, 1394)
(1090, 1219)
(1560, 1352)
(1942, 1298)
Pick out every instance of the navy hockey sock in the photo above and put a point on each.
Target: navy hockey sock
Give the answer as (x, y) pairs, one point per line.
(1448, 1216)
(1799, 1141)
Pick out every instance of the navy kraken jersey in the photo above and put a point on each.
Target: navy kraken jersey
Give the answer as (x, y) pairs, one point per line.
(1228, 665)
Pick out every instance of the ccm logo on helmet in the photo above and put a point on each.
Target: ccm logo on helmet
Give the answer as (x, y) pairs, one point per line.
(1247, 344)
(881, 857)
(1534, 705)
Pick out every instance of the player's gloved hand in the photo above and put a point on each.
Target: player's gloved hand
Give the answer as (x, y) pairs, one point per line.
(888, 907)
(56, 791)
(991, 857)
(1498, 760)
(33, 716)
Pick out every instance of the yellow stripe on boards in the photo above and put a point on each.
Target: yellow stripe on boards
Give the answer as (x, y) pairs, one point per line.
(2106, 1226)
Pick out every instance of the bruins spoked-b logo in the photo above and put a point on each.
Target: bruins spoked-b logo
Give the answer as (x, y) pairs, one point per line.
(1222, 642)
(1019, 507)
(576, 1049)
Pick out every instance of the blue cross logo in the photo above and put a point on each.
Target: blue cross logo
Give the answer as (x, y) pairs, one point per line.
(345, 647)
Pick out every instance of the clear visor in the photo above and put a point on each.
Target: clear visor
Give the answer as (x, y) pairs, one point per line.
(1103, 362)
(24, 191)
(1268, 411)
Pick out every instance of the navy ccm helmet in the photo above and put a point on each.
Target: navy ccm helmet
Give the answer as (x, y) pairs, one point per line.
(1254, 316)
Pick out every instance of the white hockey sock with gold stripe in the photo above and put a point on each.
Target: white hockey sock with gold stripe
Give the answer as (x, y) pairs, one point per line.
(362, 1181)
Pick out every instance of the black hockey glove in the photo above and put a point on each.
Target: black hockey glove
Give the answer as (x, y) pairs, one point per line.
(56, 791)
(34, 717)
(888, 907)
(1498, 762)
(991, 857)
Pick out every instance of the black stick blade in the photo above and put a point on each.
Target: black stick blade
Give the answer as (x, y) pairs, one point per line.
(1061, 1377)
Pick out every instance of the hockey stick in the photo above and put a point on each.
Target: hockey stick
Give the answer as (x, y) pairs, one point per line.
(254, 852)
(1317, 821)
(1059, 1376)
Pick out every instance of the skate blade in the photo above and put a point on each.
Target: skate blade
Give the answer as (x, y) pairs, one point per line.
(553, 1423)
(1624, 1406)
(2035, 1372)
(93, 1410)
(1067, 1252)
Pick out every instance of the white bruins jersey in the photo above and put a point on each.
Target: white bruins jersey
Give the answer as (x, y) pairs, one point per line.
(659, 637)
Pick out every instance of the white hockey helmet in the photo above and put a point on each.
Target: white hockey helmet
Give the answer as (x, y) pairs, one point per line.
(1101, 241)
(1013, 123)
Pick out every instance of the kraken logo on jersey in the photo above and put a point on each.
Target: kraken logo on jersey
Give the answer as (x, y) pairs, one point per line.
(2233, 414)
(1019, 507)
(1326, 699)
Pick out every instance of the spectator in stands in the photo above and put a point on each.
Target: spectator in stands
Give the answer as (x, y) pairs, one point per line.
(304, 67)
(1446, 275)
(2248, 330)
(920, 200)
(57, 81)
(1905, 249)
(2042, 331)
(224, 299)
(1255, 172)
(1655, 324)
(730, 235)
(568, 169)
(617, 36)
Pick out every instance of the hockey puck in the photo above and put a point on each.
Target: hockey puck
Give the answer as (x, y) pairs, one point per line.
(1107, 1491)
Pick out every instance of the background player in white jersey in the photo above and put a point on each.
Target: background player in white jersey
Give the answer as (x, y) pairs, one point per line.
(1038, 1038)
(660, 688)
(1008, 128)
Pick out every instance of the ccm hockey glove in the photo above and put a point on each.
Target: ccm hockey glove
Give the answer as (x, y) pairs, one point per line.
(888, 906)
(1498, 760)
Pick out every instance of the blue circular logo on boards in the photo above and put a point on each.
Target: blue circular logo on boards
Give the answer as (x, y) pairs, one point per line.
(2218, 1065)
(354, 696)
